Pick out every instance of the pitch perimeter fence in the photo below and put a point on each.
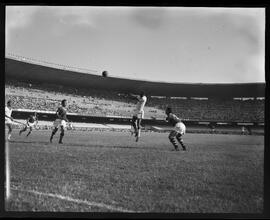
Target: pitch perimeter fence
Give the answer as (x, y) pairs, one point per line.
(194, 126)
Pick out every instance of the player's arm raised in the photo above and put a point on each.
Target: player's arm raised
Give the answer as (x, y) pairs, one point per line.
(132, 96)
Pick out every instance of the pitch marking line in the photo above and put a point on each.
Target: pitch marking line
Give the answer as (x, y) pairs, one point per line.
(7, 170)
(67, 198)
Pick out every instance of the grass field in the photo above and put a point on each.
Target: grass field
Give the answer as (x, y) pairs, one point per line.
(110, 172)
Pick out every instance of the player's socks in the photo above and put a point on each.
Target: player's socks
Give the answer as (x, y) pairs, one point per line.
(9, 136)
(23, 130)
(133, 124)
(51, 138)
(182, 144)
(61, 138)
(184, 147)
(53, 133)
(136, 132)
(132, 131)
(28, 133)
(173, 141)
(179, 138)
(139, 132)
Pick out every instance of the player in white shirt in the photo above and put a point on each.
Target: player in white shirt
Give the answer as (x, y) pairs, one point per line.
(138, 115)
(8, 118)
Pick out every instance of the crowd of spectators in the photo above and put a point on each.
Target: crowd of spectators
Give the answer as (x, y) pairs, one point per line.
(109, 103)
(81, 101)
(214, 109)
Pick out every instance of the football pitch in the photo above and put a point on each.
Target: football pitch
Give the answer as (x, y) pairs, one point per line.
(110, 172)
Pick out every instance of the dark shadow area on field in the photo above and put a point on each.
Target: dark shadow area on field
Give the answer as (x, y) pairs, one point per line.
(30, 142)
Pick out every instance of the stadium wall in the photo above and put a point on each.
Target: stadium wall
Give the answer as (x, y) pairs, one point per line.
(46, 116)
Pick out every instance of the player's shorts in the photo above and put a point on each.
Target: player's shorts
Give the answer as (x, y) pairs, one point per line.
(29, 124)
(59, 122)
(180, 128)
(139, 114)
(8, 121)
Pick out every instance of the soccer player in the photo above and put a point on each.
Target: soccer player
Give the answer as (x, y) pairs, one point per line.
(138, 114)
(30, 123)
(179, 129)
(61, 120)
(8, 118)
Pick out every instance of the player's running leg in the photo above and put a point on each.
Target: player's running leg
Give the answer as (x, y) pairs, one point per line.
(53, 133)
(172, 139)
(134, 124)
(138, 134)
(30, 130)
(180, 140)
(9, 131)
(61, 135)
(23, 130)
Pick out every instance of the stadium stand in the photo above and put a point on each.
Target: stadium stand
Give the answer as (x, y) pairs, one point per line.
(215, 109)
(108, 103)
(41, 86)
(81, 101)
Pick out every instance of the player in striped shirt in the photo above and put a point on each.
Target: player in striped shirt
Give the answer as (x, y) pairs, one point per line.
(8, 118)
(178, 131)
(30, 123)
(61, 121)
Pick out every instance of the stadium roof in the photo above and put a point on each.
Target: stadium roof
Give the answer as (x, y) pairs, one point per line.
(30, 72)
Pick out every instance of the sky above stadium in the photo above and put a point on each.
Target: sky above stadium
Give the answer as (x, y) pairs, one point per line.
(171, 44)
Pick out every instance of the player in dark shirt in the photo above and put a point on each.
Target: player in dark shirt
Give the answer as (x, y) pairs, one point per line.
(178, 131)
(61, 120)
(30, 123)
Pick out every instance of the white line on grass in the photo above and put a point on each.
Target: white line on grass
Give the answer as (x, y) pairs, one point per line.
(7, 170)
(67, 198)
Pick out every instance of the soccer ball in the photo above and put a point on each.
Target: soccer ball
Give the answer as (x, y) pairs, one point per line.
(104, 73)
